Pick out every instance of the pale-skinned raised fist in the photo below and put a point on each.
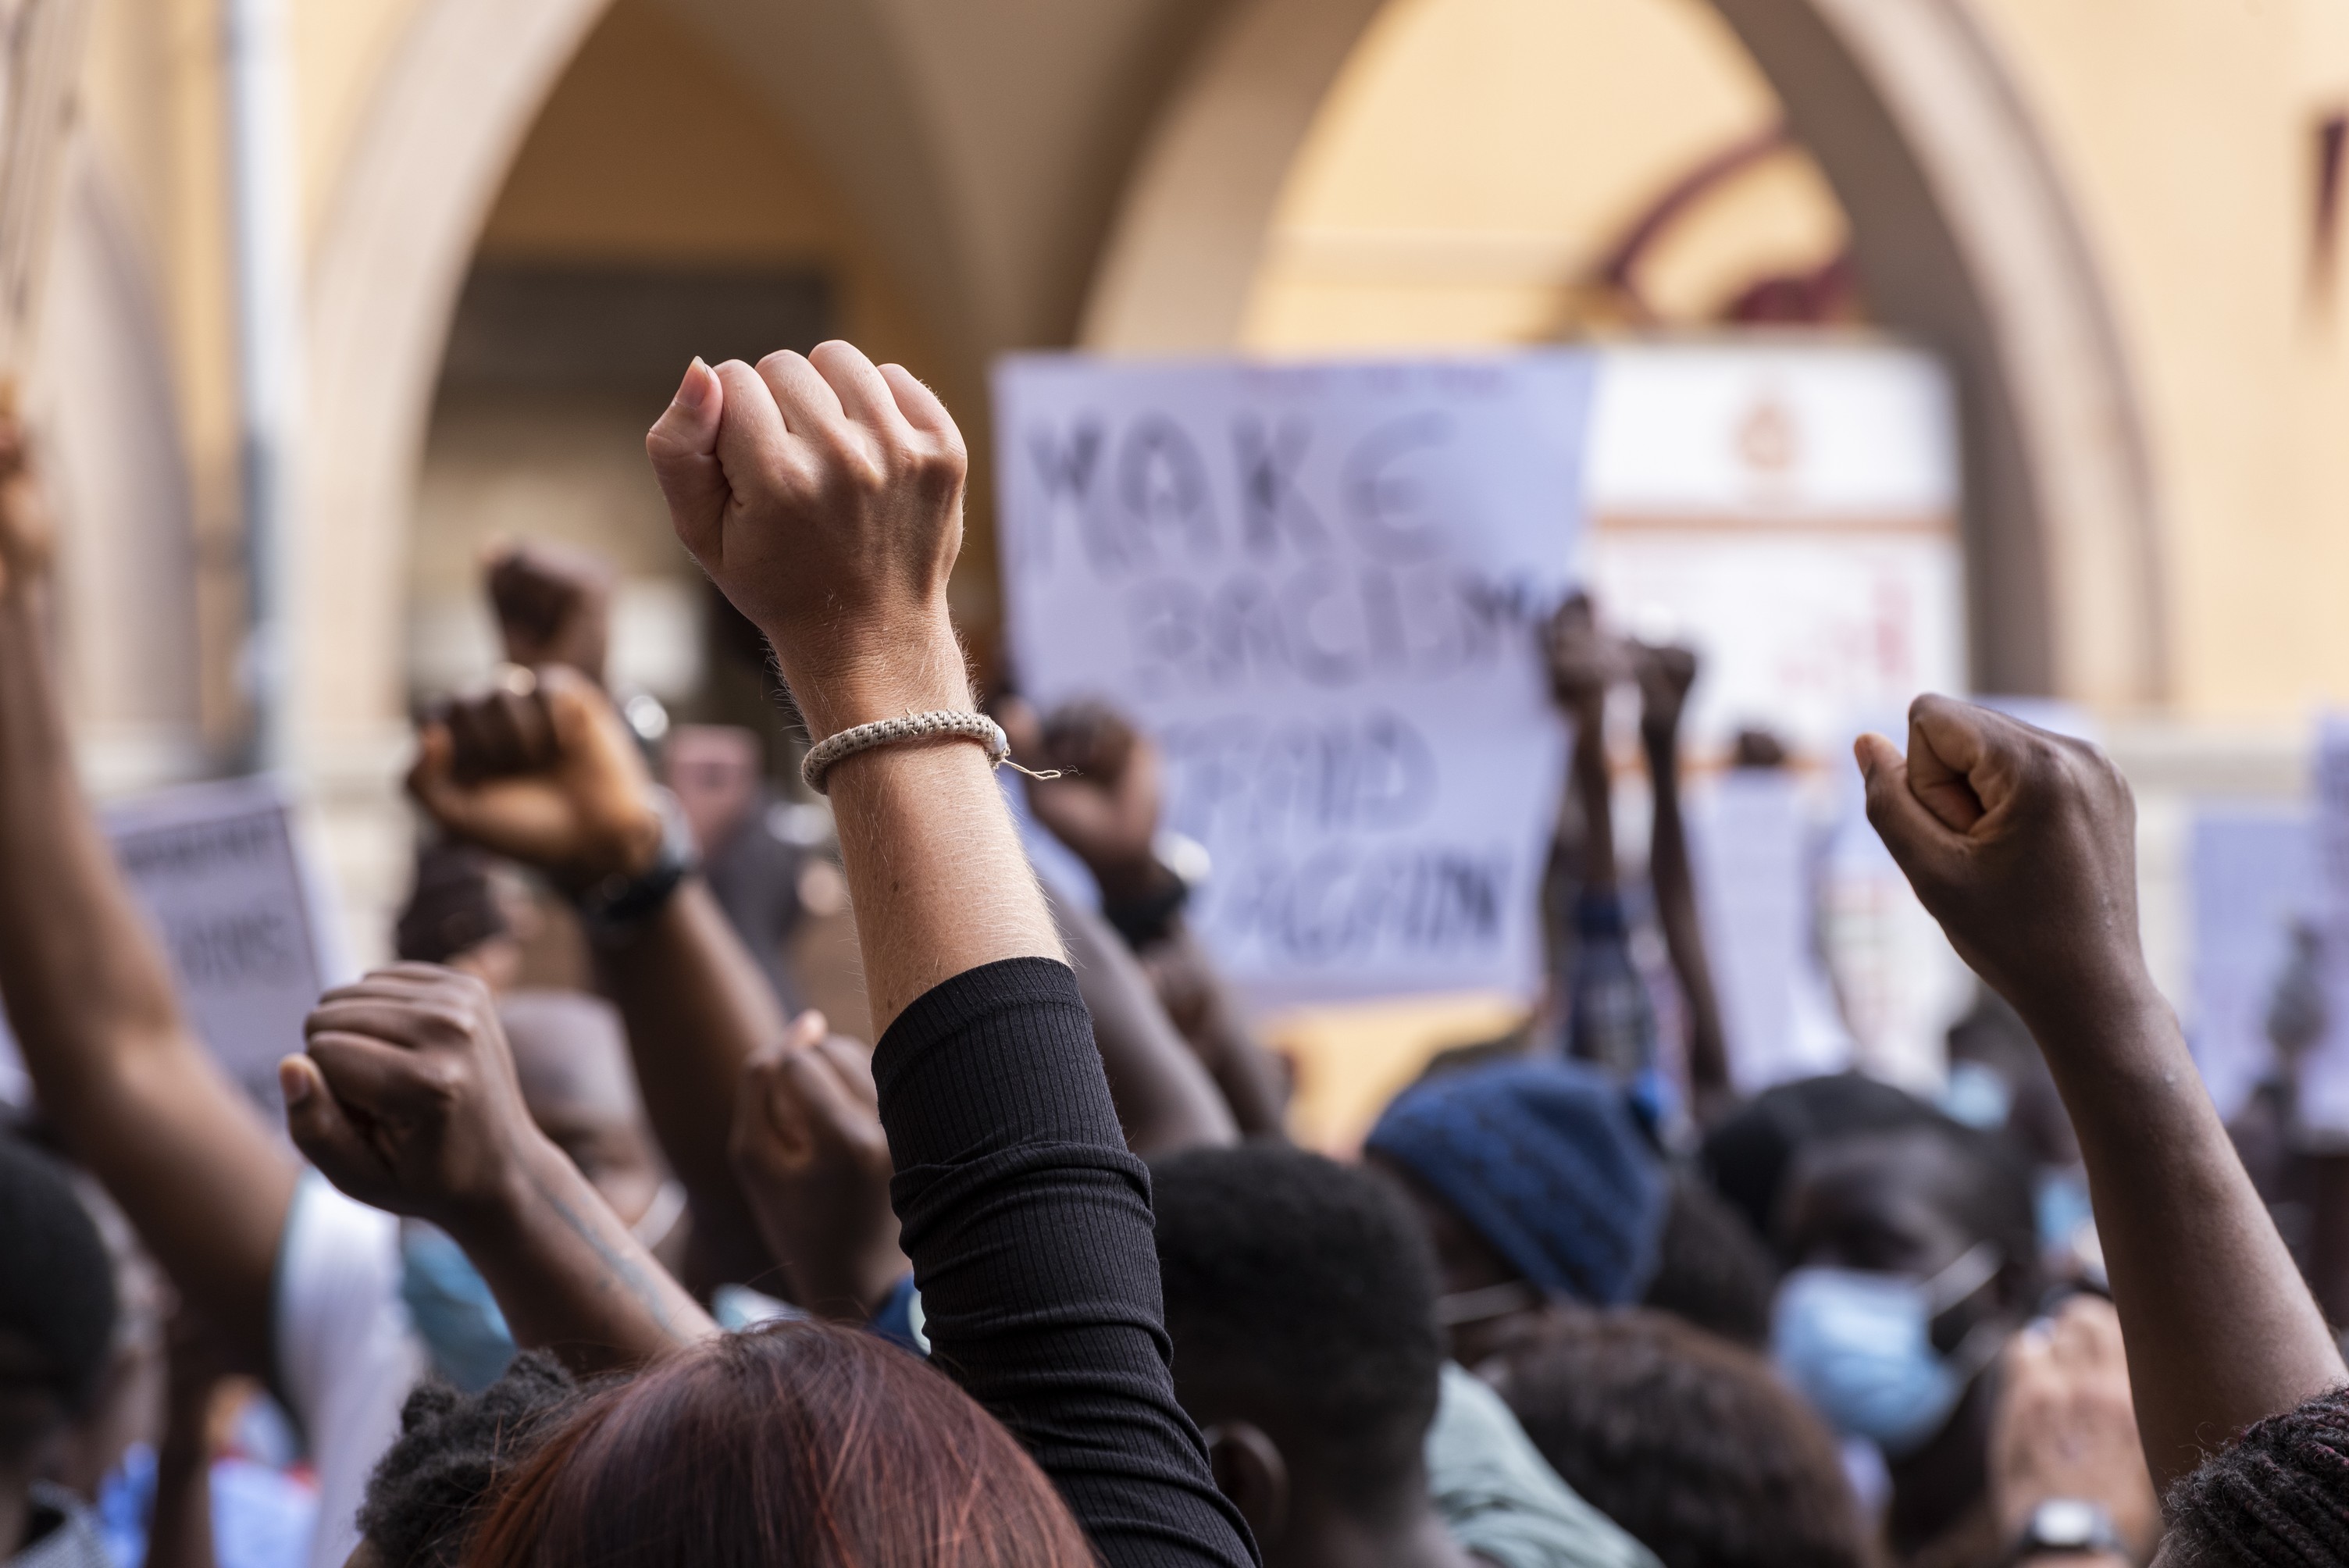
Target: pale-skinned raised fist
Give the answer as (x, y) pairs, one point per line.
(407, 1098)
(543, 770)
(2022, 845)
(823, 496)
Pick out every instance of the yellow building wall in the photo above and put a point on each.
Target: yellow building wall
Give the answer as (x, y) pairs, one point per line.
(1478, 158)
(1477, 155)
(2186, 131)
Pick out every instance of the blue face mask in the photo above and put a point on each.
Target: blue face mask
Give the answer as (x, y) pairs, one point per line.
(1859, 1346)
(450, 1304)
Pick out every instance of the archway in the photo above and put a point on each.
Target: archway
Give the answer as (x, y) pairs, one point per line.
(1964, 242)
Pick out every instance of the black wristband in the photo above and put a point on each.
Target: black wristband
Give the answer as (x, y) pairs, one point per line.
(615, 905)
(1148, 918)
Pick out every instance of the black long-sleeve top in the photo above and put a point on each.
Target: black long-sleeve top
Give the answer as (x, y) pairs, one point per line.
(1028, 1225)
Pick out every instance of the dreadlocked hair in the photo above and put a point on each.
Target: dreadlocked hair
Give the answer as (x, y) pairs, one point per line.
(454, 1449)
(2277, 1495)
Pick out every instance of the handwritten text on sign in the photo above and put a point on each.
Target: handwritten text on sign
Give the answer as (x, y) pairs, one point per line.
(1318, 587)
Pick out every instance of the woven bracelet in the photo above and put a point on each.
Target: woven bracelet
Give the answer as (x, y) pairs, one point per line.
(942, 725)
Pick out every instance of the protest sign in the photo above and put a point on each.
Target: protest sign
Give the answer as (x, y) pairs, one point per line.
(1790, 511)
(2253, 883)
(1755, 849)
(2323, 1072)
(218, 871)
(1320, 587)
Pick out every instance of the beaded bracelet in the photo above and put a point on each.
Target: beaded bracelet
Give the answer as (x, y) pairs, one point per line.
(942, 724)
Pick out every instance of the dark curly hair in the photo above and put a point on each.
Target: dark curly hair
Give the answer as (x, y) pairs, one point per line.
(433, 1484)
(1688, 1442)
(2279, 1494)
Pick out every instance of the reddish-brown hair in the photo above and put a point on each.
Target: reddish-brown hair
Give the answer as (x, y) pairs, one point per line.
(799, 1443)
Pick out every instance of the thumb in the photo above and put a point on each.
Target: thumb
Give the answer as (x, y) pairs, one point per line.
(1919, 841)
(432, 781)
(323, 1131)
(683, 446)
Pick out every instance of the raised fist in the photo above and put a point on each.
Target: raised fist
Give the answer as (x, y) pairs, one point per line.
(1584, 661)
(1666, 673)
(2065, 1427)
(553, 605)
(812, 1158)
(824, 497)
(542, 771)
(1106, 803)
(407, 1097)
(2022, 845)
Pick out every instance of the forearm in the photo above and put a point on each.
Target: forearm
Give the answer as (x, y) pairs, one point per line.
(1676, 910)
(1251, 1078)
(935, 871)
(84, 979)
(1165, 1098)
(91, 1000)
(570, 1277)
(1594, 793)
(2219, 1329)
(180, 1531)
(696, 1008)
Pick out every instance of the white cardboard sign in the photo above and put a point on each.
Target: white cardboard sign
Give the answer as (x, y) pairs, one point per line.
(217, 869)
(2254, 877)
(1319, 586)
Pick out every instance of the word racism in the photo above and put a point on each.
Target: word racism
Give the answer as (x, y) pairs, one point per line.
(1319, 589)
(1371, 590)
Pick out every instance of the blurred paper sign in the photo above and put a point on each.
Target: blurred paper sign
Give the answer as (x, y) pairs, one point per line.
(2253, 880)
(218, 872)
(1320, 587)
(1789, 510)
(1756, 849)
(2323, 1072)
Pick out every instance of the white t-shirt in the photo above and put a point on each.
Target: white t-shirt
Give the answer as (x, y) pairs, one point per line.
(346, 1355)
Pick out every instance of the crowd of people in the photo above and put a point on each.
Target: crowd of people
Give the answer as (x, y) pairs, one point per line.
(655, 1267)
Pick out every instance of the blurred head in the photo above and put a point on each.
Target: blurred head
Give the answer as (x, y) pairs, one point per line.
(1301, 1297)
(1749, 1155)
(56, 1304)
(453, 1449)
(1916, 1253)
(716, 772)
(2278, 1493)
(801, 1442)
(571, 1051)
(1534, 1180)
(1689, 1443)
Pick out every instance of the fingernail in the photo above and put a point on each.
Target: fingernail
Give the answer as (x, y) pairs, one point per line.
(293, 1082)
(694, 390)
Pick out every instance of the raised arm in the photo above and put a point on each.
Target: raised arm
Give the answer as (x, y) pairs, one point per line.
(90, 996)
(825, 498)
(2023, 844)
(1099, 793)
(1165, 1098)
(550, 776)
(407, 1099)
(1666, 673)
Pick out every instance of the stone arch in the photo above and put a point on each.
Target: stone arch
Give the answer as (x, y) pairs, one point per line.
(1963, 238)
(448, 114)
